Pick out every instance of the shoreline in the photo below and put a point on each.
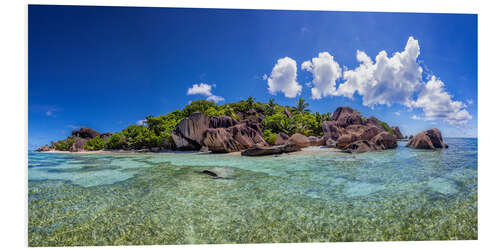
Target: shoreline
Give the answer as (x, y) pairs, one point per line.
(306, 150)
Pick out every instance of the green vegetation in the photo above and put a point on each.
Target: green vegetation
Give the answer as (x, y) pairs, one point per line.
(156, 131)
(116, 141)
(269, 136)
(63, 145)
(96, 143)
(387, 128)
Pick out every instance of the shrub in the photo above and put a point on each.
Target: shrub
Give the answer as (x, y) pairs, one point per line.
(63, 145)
(96, 143)
(270, 137)
(116, 141)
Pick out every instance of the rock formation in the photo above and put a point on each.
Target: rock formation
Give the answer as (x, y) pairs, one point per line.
(87, 133)
(188, 134)
(78, 145)
(352, 133)
(220, 140)
(398, 133)
(262, 150)
(281, 138)
(429, 139)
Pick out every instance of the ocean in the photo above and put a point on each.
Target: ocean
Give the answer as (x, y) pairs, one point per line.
(317, 195)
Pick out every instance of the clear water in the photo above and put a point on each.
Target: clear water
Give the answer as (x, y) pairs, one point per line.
(314, 195)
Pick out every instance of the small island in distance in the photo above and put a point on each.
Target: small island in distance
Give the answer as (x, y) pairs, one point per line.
(254, 128)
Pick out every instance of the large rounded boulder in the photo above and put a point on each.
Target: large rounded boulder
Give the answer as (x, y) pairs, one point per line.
(429, 139)
(330, 130)
(87, 133)
(222, 122)
(188, 134)
(220, 140)
(345, 116)
(384, 140)
(281, 138)
(77, 146)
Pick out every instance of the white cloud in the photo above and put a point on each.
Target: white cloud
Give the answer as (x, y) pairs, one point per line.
(470, 102)
(216, 99)
(200, 89)
(325, 72)
(141, 122)
(264, 77)
(283, 78)
(49, 113)
(438, 104)
(415, 117)
(398, 80)
(388, 81)
(206, 90)
(397, 113)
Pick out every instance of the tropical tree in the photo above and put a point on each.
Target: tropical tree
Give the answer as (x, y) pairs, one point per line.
(250, 103)
(301, 106)
(270, 107)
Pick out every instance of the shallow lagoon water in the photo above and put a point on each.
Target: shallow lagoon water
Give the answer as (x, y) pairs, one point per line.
(316, 195)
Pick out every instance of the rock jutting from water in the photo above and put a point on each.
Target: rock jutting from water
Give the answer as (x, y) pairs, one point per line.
(428, 139)
(271, 150)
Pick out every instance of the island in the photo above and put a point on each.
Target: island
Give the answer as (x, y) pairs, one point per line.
(250, 127)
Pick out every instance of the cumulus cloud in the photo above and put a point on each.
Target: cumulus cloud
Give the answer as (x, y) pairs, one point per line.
(200, 89)
(386, 81)
(437, 104)
(216, 99)
(398, 80)
(283, 78)
(325, 72)
(141, 122)
(205, 90)
(415, 117)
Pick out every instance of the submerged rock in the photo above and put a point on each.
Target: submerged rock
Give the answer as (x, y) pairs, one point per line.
(429, 139)
(219, 172)
(261, 150)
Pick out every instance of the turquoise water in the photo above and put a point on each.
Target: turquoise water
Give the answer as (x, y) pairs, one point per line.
(314, 195)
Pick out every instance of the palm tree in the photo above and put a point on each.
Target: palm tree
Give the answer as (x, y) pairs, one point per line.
(301, 106)
(250, 103)
(270, 107)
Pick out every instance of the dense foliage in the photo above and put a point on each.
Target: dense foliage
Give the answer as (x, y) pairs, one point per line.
(96, 143)
(63, 145)
(156, 130)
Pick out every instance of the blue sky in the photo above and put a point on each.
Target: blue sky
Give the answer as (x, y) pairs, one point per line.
(109, 67)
